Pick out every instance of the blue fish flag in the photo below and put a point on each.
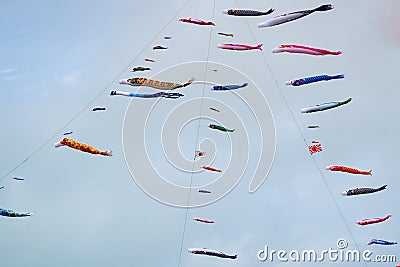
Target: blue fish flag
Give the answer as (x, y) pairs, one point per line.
(228, 87)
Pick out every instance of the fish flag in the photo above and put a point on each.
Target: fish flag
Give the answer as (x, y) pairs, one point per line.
(199, 154)
(315, 147)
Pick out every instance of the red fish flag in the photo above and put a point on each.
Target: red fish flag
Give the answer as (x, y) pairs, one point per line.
(211, 169)
(199, 154)
(315, 147)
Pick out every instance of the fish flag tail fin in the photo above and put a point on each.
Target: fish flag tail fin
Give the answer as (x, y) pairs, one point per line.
(370, 172)
(269, 11)
(389, 215)
(232, 130)
(245, 84)
(259, 47)
(336, 52)
(340, 76)
(187, 83)
(383, 187)
(109, 153)
(324, 7)
(347, 100)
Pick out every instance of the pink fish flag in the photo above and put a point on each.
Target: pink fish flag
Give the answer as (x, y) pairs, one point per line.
(315, 147)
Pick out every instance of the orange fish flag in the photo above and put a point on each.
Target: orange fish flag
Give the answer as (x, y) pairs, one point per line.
(347, 169)
(82, 147)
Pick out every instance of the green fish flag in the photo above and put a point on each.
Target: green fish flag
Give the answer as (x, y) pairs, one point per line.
(221, 128)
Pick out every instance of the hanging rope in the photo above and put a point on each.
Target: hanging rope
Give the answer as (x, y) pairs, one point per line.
(94, 98)
(197, 140)
(304, 139)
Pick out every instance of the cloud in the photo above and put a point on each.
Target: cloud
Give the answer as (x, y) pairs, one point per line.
(10, 78)
(72, 78)
(7, 70)
(389, 22)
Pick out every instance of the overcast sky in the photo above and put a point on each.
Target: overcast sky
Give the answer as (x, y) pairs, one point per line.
(59, 60)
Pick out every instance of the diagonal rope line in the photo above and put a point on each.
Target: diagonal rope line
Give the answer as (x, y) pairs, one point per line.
(197, 139)
(95, 97)
(304, 139)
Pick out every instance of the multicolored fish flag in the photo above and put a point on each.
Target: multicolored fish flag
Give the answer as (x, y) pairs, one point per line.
(82, 147)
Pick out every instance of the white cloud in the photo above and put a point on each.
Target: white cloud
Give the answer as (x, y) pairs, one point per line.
(10, 78)
(72, 78)
(7, 70)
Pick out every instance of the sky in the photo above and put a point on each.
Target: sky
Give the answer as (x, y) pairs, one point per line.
(61, 59)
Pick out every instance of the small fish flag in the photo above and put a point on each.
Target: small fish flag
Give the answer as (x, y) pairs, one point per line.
(315, 147)
(199, 154)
